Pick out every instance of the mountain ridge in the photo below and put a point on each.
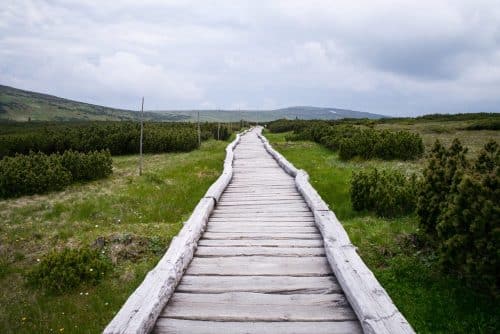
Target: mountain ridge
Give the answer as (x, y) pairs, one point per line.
(22, 105)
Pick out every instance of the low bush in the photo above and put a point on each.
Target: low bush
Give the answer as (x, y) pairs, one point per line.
(87, 166)
(443, 166)
(386, 145)
(459, 209)
(118, 137)
(285, 125)
(485, 125)
(37, 173)
(387, 193)
(32, 174)
(218, 131)
(354, 141)
(61, 271)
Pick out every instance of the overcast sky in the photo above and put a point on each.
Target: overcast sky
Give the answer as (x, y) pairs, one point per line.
(389, 57)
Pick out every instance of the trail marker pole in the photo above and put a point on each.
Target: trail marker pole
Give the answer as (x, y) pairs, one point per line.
(140, 140)
(199, 130)
(218, 131)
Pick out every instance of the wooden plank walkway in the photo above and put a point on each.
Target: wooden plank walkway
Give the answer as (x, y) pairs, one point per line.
(260, 267)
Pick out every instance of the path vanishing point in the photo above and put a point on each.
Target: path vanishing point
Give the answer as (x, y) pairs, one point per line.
(261, 253)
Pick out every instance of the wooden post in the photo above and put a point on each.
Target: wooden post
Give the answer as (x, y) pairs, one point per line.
(218, 131)
(199, 130)
(140, 140)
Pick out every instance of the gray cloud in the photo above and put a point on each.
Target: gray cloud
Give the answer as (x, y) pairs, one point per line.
(397, 58)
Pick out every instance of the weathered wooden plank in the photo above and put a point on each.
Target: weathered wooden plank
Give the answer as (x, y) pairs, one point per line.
(259, 284)
(252, 219)
(232, 228)
(178, 326)
(260, 202)
(261, 209)
(299, 215)
(259, 197)
(249, 306)
(259, 205)
(256, 250)
(261, 235)
(260, 265)
(264, 243)
(257, 223)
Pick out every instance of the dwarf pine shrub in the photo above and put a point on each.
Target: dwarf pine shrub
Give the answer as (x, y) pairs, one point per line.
(387, 193)
(37, 173)
(459, 208)
(61, 271)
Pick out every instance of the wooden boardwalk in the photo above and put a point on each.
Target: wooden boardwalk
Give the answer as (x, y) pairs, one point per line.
(260, 267)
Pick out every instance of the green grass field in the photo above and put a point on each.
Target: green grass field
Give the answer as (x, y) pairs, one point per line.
(431, 301)
(137, 216)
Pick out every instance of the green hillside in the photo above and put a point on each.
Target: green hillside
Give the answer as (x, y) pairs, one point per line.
(20, 105)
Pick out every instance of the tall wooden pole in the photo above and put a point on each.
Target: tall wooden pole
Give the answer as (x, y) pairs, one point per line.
(199, 130)
(142, 133)
(218, 131)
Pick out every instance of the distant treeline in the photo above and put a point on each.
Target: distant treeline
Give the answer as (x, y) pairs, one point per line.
(117, 137)
(353, 141)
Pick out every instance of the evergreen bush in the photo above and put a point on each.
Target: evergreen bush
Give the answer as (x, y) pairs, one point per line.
(61, 271)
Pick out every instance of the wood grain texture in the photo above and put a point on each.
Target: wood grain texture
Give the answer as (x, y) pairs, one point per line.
(263, 243)
(256, 250)
(261, 284)
(250, 306)
(260, 266)
(177, 326)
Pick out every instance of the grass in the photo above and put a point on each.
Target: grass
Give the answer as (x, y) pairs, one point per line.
(431, 301)
(137, 216)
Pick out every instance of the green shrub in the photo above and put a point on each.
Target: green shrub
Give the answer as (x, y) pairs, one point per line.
(353, 141)
(118, 137)
(386, 145)
(62, 271)
(387, 193)
(460, 210)
(493, 125)
(443, 167)
(87, 166)
(285, 125)
(37, 173)
(32, 174)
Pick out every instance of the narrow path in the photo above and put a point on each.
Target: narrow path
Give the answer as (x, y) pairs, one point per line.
(260, 267)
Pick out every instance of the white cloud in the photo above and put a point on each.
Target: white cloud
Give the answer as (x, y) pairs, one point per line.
(402, 57)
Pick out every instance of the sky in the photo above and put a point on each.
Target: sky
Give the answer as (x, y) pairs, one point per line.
(397, 58)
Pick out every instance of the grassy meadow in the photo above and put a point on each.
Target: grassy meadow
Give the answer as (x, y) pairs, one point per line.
(431, 301)
(136, 216)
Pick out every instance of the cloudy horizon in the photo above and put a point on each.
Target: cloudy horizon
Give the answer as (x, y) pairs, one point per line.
(402, 58)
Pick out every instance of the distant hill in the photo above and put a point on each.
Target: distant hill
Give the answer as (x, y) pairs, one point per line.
(269, 115)
(21, 105)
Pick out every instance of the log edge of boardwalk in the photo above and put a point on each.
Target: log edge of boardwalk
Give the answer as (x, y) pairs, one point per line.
(371, 304)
